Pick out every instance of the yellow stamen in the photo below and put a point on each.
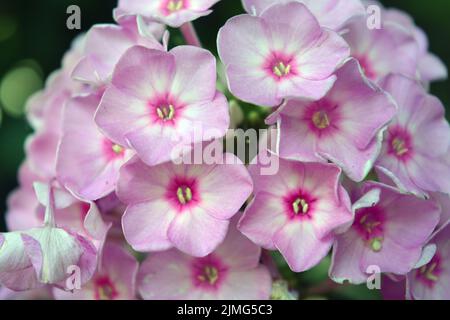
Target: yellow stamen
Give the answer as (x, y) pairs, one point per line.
(184, 195)
(300, 204)
(281, 69)
(175, 5)
(210, 274)
(117, 149)
(399, 146)
(320, 120)
(166, 113)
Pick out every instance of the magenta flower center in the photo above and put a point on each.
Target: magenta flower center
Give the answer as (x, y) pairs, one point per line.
(280, 66)
(112, 151)
(182, 193)
(299, 205)
(281, 69)
(104, 289)
(369, 224)
(208, 272)
(323, 117)
(321, 120)
(400, 143)
(172, 6)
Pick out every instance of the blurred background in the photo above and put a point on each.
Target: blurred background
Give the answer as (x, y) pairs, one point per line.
(34, 37)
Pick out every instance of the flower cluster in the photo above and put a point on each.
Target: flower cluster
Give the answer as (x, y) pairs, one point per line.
(363, 153)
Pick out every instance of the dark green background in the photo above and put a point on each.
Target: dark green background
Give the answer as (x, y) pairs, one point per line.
(38, 37)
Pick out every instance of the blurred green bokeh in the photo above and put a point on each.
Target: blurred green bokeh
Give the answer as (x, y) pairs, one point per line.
(34, 37)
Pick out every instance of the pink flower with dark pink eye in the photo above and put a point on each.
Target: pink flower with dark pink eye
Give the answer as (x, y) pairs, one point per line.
(297, 211)
(390, 230)
(173, 13)
(183, 206)
(331, 14)
(158, 100)
(115, 278)
(417, 143)
(332, 129)
(231, 272)
(391, 49)
(269, 65)
(88, 163)
(432, 281)
(105, 44)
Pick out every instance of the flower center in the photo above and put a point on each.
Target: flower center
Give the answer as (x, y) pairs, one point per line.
(281, 69)
(174, 5)
(300, 206)
(429, 271)
(399, 146)
(369, 224)
(209, 275)
(166, 113)
(321, 120)
(117, 149)
(184, 195)
(105, 289)
(112, 151)
(400, 143)
(429, 274)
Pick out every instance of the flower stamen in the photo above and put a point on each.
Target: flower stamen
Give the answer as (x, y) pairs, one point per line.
(174, 5)
(399, 146)
(210, 275)
(184, 195)
(166, 113)
(281, 70)
(321, 120)
(300, 206)
(117, 149)
(428, 272)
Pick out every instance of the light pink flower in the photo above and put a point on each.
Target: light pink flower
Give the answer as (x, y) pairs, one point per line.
(284, 53)
(416, 147)
(297, 211)
(183, 206)
(345, 127)
(88, 163)
(389, 231)
(173, 13)
(114, 280)
(42, 255)
(391, 49)
(44, 108)
(432, 281)
(331, 14)
(106, 43)
(431, 68)
(27, 211)
(231, 272)
(22, 203)
(159, 100)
